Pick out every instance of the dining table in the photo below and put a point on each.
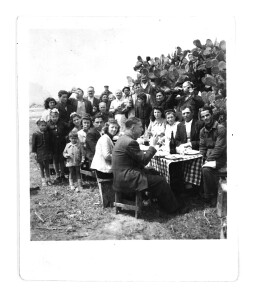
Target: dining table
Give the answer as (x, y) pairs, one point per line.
(168, 165)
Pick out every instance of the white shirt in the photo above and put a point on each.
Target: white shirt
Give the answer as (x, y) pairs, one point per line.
(188, 129)
(91, 99)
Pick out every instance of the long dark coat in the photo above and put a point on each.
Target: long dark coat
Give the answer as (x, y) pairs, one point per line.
(128, 163)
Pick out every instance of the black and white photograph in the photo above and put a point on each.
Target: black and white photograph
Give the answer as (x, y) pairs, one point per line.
(128, 136)
(126, 124)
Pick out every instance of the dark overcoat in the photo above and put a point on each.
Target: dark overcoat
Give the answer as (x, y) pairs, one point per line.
(128, 163)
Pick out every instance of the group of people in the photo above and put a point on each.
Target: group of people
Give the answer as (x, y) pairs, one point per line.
(105, 132)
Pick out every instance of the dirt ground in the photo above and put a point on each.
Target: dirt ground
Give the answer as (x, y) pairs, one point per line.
(56, 213)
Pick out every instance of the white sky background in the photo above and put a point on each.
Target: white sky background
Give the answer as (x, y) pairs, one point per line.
(95, 51)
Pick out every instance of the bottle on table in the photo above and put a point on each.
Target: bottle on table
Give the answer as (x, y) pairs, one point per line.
(172, 144)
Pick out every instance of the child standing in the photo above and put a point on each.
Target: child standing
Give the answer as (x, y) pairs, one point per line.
(73, 152)
(41, 147)
(58, 130)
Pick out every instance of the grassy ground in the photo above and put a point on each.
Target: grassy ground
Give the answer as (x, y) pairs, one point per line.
(59, 214)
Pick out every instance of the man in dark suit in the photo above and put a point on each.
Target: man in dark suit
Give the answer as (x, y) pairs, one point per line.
(93, 135)
(187, 134)
(128, 165)
(94, 101)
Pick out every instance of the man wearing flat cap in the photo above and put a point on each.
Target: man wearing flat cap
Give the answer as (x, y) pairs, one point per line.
(106, 91)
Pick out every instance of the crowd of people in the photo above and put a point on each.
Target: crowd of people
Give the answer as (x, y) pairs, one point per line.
(104, 133)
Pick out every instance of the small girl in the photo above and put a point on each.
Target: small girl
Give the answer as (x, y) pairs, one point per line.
(41, 147)
(73, 152)
(58, 131)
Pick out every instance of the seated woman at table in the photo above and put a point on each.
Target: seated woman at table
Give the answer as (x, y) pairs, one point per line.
(157, 123)
(102, 160)
(171, 126)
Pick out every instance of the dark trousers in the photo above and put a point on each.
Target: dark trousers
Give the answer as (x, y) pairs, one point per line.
(44, 168)
(210, 182)
(161, 190)
(59, 166)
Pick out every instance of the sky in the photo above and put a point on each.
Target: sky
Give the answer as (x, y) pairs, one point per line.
(93, 51)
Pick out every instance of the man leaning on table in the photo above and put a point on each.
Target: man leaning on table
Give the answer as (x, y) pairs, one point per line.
(128, 165)
(213, 147)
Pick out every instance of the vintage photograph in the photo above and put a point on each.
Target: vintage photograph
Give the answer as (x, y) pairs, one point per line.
(128, 129)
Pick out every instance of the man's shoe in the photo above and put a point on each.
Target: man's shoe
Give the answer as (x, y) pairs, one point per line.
(58, 180)
(63, 178)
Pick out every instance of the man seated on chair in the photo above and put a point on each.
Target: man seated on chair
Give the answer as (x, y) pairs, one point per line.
(187, 137)
(187, 134)
(213, 147)
(128, 166)
(93, 135)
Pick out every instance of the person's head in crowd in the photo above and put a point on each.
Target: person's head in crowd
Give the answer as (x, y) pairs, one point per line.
(137, 87)
(187, 87)
(80, 94)
(111, 117)
(142, 98)
(54, 115)
(207, 115)
(126, 91)
(102, 107)
(106, 88)
(119, 94)
(170, 116)
(160, 96)
(98, 122)
(76, 119)
(41, 124)
(144, 78)
(73, 137)
(90, 91)
(49, 103)
(134, 127)
(187, 112)
(111, 128)
(157, 113)
(86, 122)
(104, 97)
(111, 97)
(63, 96)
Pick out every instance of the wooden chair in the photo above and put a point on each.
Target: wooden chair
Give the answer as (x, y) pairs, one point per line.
(121, 202)
(106, 191)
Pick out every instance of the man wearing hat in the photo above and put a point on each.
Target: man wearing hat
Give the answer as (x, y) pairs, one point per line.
(106, 91)
(128, 99)
(147, 87)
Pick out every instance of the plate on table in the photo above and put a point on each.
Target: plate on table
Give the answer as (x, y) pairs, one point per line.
(161, 153)
(191, 152)
(173, 156)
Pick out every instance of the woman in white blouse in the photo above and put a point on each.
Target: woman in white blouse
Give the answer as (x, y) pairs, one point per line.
(171, 125)
(158, 123)
(102, 160)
